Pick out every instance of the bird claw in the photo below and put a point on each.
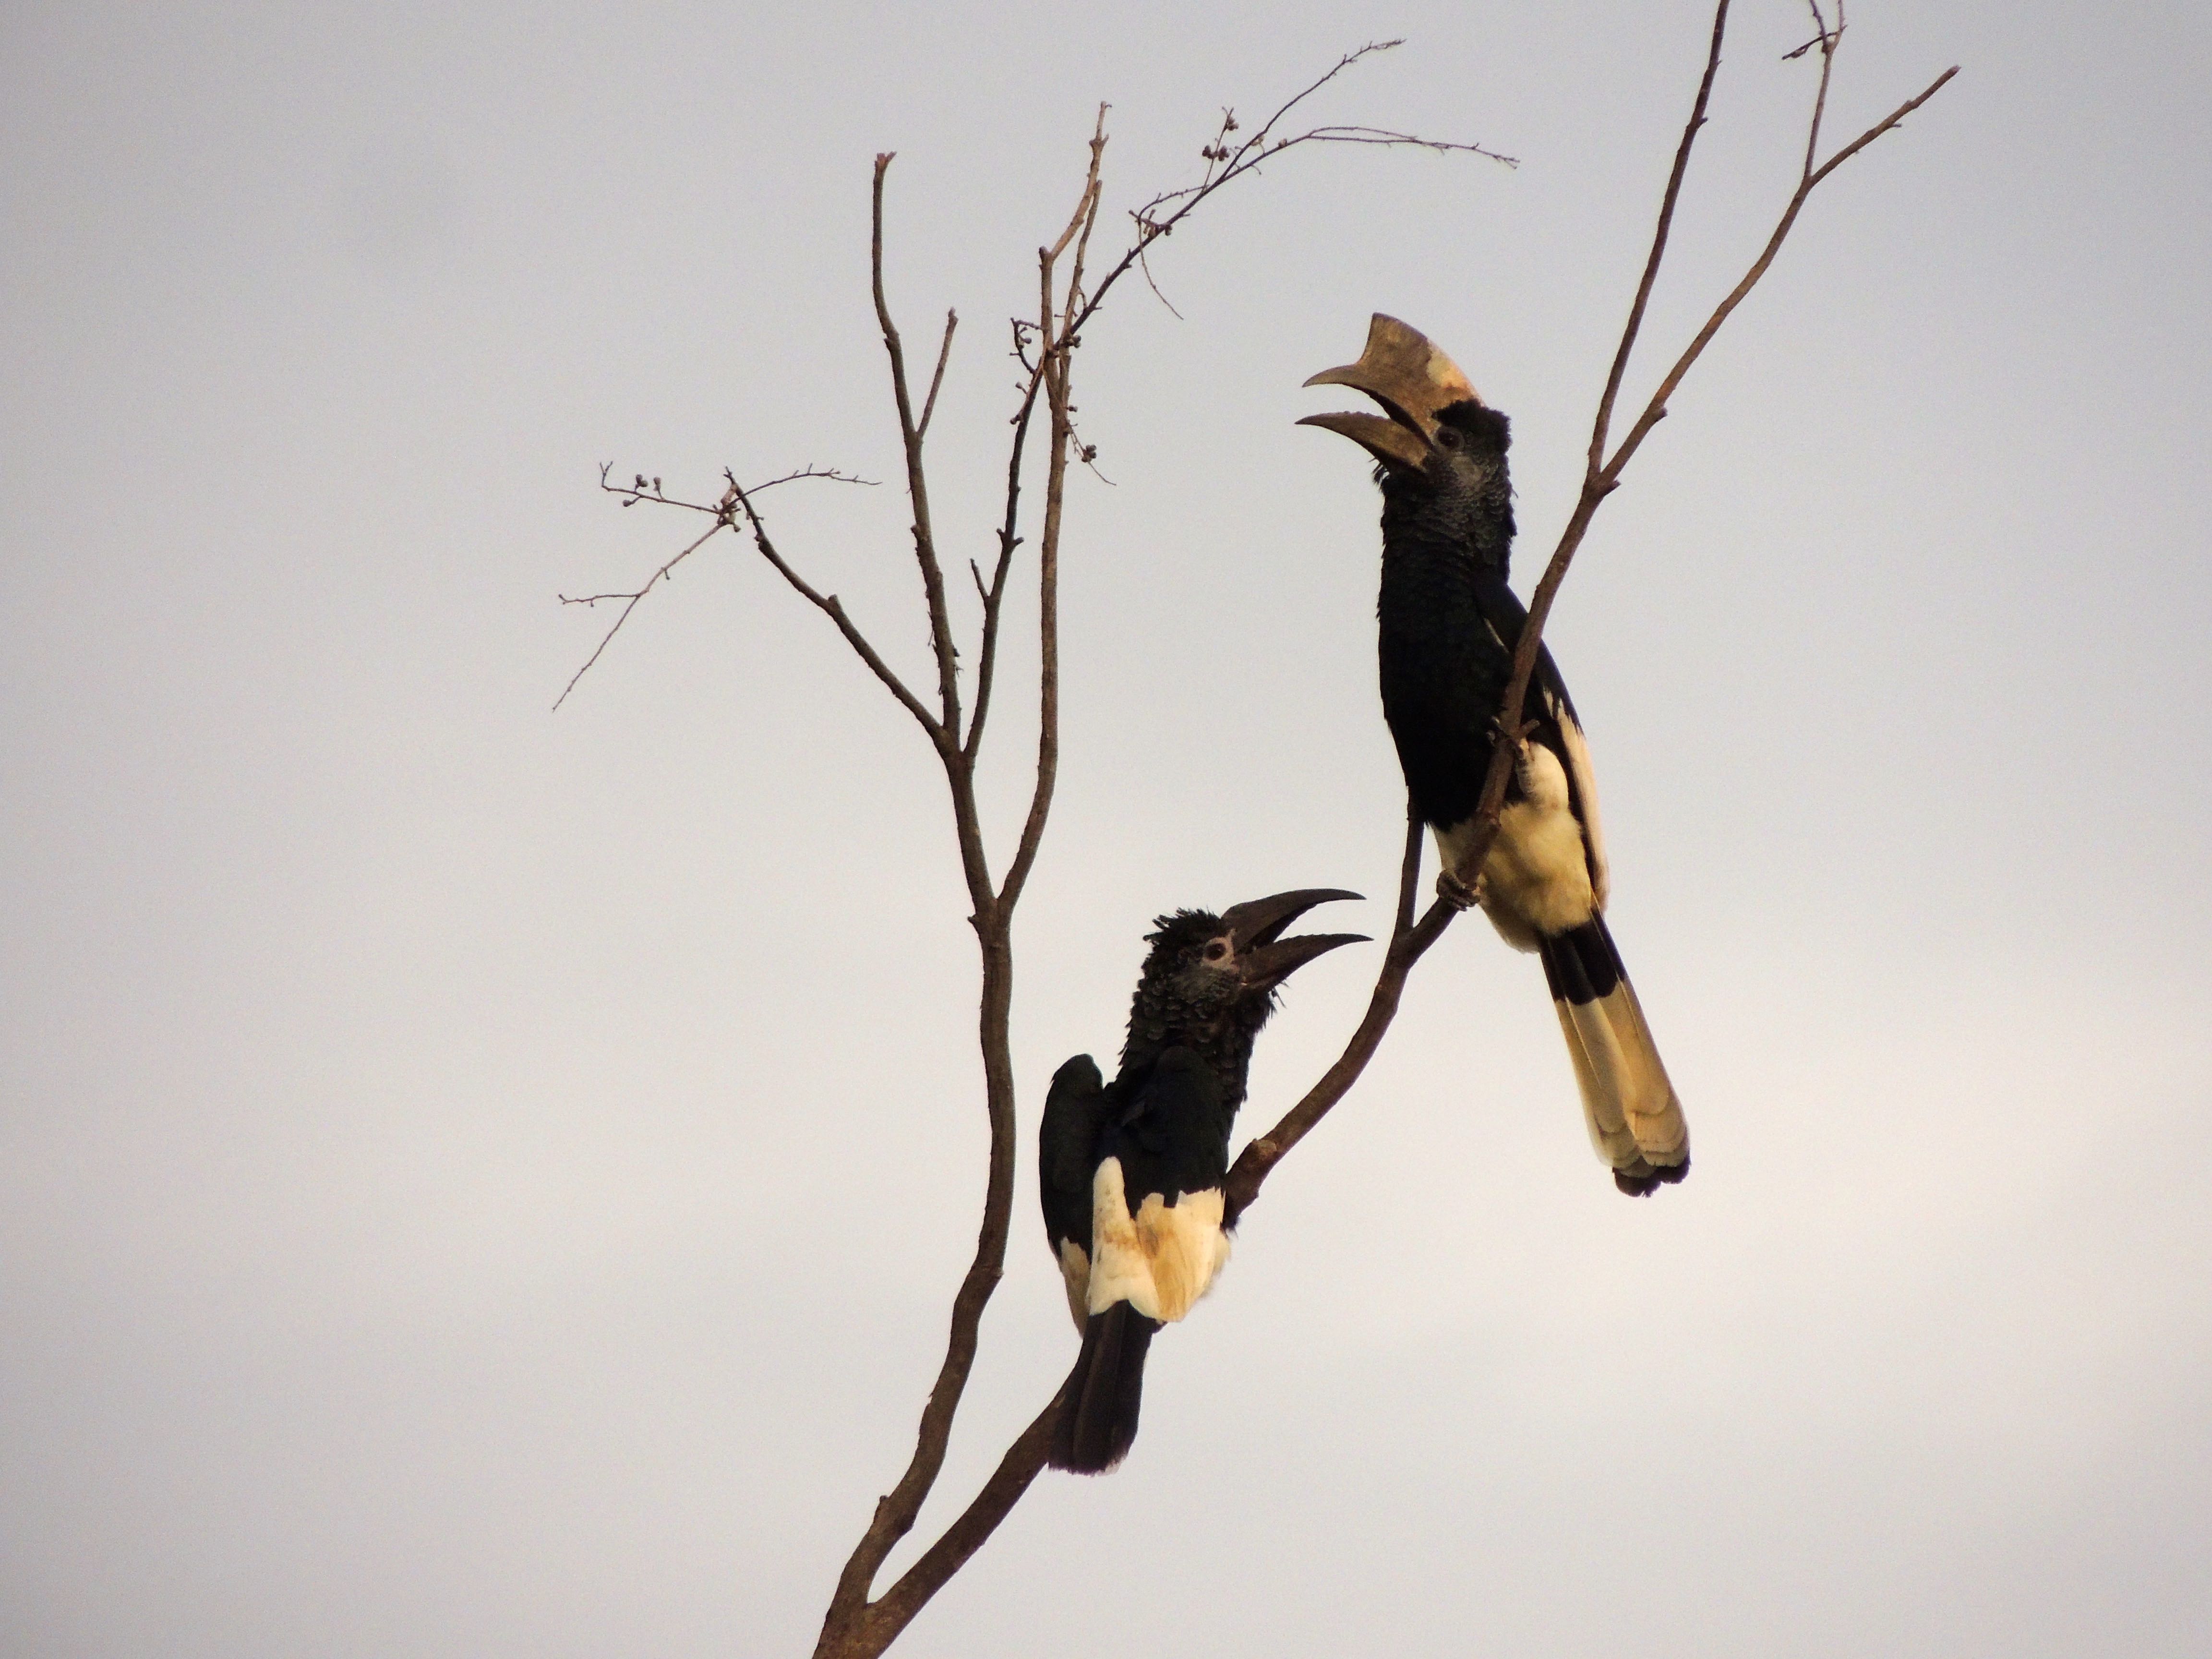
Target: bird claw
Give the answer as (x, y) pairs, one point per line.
(1460, 895)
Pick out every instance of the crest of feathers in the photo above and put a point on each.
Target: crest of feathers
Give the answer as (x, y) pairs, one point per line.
(1179, 999)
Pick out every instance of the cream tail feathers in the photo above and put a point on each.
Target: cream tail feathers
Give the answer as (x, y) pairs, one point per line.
(1543, 886)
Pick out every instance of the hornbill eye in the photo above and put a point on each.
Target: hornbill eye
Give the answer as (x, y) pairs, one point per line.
(1217, 951)
(1447, 438)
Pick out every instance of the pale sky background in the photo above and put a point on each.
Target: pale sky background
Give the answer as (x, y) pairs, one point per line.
(480, 1182)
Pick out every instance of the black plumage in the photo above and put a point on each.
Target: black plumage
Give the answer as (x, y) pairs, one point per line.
(1448, 624)
(1131, 1172)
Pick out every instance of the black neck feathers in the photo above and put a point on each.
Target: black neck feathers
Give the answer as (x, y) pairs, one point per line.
(1460, 505)
(1182, 1002)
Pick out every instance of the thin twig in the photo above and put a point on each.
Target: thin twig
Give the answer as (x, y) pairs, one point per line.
(741, 499)
(1893, 119)
(640, 491)
(986, 662)
(1055, 359)
(929, 404)
(917, 481)
(607, 639)
(1658, 239)
(1656, 411)
(1828, 43)
(631, 494)
(1820, 39)
(1602, 477)
(1224, 163)
(1409, 941)
(1145, 264)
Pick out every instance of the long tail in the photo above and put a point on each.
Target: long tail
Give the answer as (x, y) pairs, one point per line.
(1634, 1121)
(1098, 1422)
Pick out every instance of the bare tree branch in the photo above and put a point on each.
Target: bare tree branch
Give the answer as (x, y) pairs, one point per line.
(1658, 241)
(1656, 411)
(1410, 939)
(1055, 363)
(740, 499)
(917, 480)
(1601, 475)
(641, 491)
(1895, 117)
(1828, 43)
(853, 1625)
(1069, 299)
(986, 658)
(1024, 1459)
(944, 352)
(1225, 162)
(969, 1533)
(634, 599)
(1822, 37)
(1145, 264)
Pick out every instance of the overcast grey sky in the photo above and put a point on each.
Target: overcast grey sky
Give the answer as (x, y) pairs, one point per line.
(479, 1181)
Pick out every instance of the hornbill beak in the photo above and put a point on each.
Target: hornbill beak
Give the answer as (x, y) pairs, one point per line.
(1255, 930)
(1406, 373)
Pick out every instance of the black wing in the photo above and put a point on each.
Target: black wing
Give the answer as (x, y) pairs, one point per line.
(1551, 712)
(1445, 655)
(1172, 1132)
(1068, 1150)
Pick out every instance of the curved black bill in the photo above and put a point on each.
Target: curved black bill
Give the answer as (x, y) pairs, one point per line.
(1256, 928)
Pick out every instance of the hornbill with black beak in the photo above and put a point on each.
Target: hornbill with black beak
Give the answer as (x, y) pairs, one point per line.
(1449, 627)
(1132, 1171)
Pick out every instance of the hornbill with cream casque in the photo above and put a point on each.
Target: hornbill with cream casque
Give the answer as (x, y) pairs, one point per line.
(1131, 1172)
(1448, 626)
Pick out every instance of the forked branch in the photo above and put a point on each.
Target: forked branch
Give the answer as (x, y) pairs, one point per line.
(650, 491)
(739, 500)
(1038, 346)
(917, 478)
(1066, 302)
(1410, 938)
(1601, 473)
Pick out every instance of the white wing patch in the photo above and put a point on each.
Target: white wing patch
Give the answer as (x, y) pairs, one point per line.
(1584, 777)
(1075, 1273)
(1537, 877)
(1159, 1261)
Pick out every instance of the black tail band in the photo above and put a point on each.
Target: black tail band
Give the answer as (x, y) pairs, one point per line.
(1581, 966)
(1098, 1418)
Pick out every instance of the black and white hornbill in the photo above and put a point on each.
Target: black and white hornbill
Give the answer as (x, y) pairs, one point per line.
(1131, 1171)
(1448, 626)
